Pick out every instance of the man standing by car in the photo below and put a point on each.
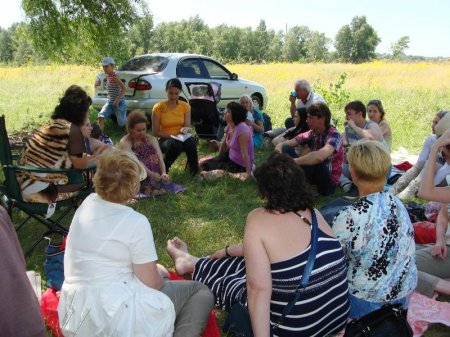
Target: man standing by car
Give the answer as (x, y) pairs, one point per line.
(323, 163)
(301, 97)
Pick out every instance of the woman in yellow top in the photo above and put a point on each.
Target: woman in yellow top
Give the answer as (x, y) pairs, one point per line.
(172, 117)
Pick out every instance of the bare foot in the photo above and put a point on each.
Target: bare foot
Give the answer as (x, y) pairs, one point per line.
(180, 244)
(184, 262)
(214, 145)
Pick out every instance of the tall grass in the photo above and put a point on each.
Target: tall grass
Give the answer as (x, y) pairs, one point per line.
(411, 92)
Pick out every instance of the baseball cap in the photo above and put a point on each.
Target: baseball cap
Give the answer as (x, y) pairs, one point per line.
(107, 60)
(443, 125)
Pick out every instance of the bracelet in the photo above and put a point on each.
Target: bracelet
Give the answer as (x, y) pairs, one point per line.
(226, 251)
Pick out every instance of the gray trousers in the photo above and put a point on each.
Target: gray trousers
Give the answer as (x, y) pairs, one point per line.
(430, 269)
(193, 302)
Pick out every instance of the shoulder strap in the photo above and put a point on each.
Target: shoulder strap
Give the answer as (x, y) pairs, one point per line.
(308, 268)
(313, 250)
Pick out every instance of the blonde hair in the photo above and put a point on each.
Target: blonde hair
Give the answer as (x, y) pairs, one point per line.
(369, 160)
(245, 98)
(118, 176)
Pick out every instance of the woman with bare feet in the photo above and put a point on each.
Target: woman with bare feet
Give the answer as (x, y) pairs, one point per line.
(276, 246)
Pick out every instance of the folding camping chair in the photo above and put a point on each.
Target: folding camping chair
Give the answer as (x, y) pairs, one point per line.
(12, 196)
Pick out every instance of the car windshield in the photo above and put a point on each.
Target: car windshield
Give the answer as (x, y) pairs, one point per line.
(153, 64)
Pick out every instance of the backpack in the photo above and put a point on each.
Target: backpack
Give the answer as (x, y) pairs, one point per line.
(267, 122)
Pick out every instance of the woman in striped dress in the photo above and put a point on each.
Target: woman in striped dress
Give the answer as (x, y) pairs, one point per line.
(264, 272)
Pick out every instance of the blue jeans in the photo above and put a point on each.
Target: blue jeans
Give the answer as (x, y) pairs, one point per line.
(360, 307)
(331, 208)
(120, 112)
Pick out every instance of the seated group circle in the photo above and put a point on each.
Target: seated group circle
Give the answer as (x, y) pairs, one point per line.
(122, 277)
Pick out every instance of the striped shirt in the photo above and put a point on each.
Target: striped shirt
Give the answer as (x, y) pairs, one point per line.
(113, 88)
(323, 306)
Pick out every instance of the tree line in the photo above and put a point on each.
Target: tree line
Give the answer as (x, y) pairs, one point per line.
(82, 32)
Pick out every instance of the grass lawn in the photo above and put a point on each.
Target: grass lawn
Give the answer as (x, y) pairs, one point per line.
(210, 215)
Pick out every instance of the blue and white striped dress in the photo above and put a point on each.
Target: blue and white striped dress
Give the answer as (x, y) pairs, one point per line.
(322, 308)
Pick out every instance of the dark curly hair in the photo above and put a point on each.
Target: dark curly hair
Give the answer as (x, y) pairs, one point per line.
(238, 112)
(282, 183)
(73, 106)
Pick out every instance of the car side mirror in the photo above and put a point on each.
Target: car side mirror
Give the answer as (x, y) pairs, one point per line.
(234, 76)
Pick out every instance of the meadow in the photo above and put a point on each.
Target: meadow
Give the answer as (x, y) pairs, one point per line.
(210, 215)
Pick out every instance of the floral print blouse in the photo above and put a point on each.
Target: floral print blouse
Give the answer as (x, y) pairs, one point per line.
(378, 241)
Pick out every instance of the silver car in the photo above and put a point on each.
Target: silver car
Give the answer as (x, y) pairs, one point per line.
(145, 79)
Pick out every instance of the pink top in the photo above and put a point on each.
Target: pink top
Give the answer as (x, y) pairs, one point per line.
(234, 146)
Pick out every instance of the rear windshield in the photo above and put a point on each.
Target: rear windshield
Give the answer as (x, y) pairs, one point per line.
(153, 64)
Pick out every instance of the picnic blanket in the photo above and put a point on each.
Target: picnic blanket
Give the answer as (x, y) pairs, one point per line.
(422, 311)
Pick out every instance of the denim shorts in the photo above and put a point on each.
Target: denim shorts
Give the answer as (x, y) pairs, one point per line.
(360, 307)
(120, 112)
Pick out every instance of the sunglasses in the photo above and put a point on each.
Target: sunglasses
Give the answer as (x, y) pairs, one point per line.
(374, 101)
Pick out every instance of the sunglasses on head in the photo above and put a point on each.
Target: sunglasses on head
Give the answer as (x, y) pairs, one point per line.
(374, 101)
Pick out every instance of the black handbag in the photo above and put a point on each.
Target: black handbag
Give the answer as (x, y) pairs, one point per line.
(238, 323)
(389, 320)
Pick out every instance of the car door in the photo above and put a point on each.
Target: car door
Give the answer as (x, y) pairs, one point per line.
(232, 88)
(190, 70)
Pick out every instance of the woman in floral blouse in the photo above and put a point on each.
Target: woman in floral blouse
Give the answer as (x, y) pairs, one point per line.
(376, 235)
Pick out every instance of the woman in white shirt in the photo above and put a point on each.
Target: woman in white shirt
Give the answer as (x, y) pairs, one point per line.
(113, 285)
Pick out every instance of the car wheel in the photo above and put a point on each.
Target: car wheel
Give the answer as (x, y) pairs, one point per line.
(257, 101)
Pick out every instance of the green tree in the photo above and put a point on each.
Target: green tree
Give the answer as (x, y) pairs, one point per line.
(316, 47)
(356, 42)
(275, 46)
(344, 43)
(294, 47)
(261, 40)
(6, 45)
(227, 43)
(169, 37)
(185, 36)
(23, 51)
(141, 32)
(198, 35)
(80, 30)
(398, 48)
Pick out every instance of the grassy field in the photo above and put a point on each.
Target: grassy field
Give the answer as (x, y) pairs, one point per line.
(211, 215)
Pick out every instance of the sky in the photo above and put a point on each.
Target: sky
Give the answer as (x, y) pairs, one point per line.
(427, 23)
